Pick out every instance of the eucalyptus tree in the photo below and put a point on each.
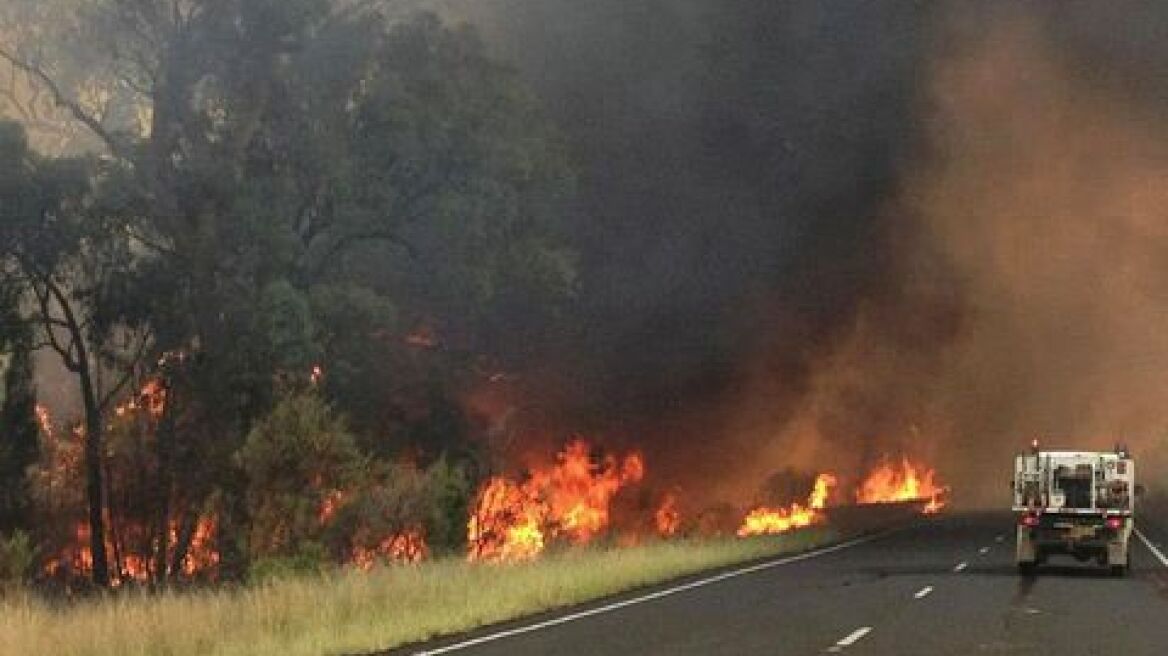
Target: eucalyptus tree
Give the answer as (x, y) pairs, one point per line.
(285, 182)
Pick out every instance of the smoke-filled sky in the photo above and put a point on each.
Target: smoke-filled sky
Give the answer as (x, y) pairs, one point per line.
(818, 232)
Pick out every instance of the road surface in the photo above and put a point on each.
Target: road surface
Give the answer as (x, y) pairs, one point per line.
(945, 587)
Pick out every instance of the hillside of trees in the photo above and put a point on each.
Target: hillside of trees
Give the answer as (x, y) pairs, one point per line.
(267, 244)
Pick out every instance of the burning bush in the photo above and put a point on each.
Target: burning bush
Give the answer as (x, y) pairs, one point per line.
(567, 501)
(294, 459)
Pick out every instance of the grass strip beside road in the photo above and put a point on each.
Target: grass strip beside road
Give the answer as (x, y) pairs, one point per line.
(348, 612)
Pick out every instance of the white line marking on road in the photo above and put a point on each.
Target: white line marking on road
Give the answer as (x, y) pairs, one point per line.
(617, 605)
(1151, 547)
(851, 639)
(923, 592)
(1000, 539)
(984, 550)
(960, 566)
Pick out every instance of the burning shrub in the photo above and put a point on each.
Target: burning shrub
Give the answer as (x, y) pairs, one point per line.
(295, 458)
(569, 500)
(384, 519)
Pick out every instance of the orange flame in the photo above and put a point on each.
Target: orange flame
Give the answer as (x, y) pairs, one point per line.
(890, 483)
(405, 547)
(151, 398)
(569, 501)
(764, 520)
(667, 518)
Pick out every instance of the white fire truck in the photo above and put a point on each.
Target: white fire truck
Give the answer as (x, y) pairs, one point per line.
(1077, 503)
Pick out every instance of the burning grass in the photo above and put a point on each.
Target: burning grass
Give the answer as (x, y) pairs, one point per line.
(354, 612)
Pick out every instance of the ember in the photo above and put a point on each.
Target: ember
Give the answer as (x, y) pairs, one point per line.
(667, 518)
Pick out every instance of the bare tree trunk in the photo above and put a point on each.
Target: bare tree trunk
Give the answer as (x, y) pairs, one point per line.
(93, 474)
(163, 442)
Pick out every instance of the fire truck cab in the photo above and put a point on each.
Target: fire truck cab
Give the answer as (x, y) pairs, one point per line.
(1075, 503)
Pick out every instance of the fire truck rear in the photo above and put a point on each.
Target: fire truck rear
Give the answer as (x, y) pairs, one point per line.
(1075, 503)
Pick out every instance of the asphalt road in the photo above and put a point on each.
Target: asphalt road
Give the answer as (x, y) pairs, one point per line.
(945, 587)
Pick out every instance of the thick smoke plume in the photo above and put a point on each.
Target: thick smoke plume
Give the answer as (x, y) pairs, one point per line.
(1044, 190)
(818, 232)
(814, 233)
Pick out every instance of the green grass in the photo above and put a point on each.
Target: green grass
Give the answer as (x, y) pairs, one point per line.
(351, 612)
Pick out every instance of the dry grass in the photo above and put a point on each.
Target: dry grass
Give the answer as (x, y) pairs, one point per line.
(355, 612)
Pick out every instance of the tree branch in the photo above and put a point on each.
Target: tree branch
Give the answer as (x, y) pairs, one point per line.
(343, 242)
(62, 100)
(127, 376)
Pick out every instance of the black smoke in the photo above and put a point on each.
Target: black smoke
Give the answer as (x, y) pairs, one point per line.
(748, 219)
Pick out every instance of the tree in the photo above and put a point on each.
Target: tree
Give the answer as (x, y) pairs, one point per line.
(312, 180)
(18, 424)
(61, 250)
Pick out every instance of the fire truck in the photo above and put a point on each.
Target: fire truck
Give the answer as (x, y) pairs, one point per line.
(1075, 503)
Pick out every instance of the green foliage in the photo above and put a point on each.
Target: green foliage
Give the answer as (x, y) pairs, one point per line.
(451, 490)
(286, 323)
(18, 555)
(19, 436)
(399, 499)
(314, 182)
(294, 458)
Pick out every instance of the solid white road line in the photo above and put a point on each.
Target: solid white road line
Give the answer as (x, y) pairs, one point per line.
(984, 550)
(617, 605)
(1151, 547)
(923, 592)
(960, 566)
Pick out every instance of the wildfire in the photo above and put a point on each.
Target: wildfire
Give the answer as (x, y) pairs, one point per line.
(667, 518)
(151, 399)
(405, 547)
(889, 483)
(76, 558)
(765, 520)
(567, 501)
(45, 421)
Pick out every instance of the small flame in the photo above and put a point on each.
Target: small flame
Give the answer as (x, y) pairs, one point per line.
(667, 518)
(405, 547)
(765, 520)
(889, 483)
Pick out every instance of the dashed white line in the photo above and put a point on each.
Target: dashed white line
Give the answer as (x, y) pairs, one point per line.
(983, 551)
(960, 566)
(617, 605)
(1151, 547)
(851, 639)
(923, 592)
(1000, 539)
